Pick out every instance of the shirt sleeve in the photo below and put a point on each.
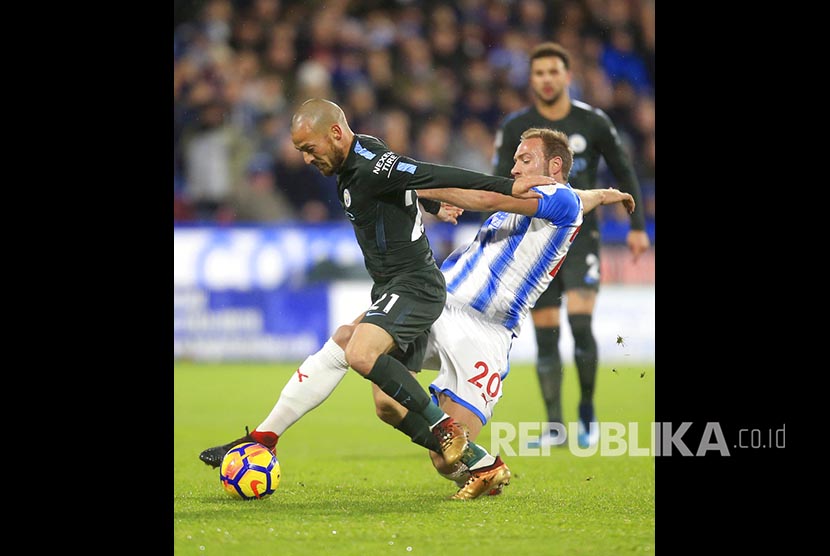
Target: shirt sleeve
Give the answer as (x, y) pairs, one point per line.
(504, 151)
(392, 172)
(425, 175)
(620, 165)
(560, 207)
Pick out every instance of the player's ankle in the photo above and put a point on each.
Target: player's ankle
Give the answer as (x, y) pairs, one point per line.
(266, 438)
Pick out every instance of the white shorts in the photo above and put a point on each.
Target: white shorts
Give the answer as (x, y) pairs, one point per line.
(471, 356)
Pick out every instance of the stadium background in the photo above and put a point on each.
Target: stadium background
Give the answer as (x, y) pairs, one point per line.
(265, 263)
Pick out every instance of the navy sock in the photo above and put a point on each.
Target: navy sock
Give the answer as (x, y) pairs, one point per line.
(549, 370)
(585, 354)
(394, 379)
(416, 428)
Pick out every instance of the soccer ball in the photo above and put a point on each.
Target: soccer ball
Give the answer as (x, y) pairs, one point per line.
(250, 471)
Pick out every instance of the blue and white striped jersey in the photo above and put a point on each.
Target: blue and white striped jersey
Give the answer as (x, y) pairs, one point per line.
(505, 269)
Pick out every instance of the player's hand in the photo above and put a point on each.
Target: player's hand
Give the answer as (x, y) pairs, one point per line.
(638, 242)
(449, 213)
(628, 203)
(522, 185)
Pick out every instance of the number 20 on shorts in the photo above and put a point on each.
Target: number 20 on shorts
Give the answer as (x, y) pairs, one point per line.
(492, 384)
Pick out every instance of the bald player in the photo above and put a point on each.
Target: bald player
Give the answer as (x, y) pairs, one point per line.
(376, 190)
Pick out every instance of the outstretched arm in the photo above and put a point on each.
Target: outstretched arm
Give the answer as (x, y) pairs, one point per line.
(487, 201)
(426, 175)
(591, 198)
(482, 201)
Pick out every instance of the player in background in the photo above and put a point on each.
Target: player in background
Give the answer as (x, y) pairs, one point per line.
(591, 135)
(492, 283)
(376, 188)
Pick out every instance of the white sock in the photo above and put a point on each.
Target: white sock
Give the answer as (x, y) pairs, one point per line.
(483, 462)
(307, 388)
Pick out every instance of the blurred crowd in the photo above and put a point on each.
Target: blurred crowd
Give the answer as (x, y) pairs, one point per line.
(431, 78)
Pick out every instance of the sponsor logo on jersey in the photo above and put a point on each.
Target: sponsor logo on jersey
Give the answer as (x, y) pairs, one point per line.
(497, 219)
(385, 162)
(577, 142)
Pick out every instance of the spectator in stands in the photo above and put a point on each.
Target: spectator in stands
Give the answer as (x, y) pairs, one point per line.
(215, 155)
(258, 199)
(459, 60)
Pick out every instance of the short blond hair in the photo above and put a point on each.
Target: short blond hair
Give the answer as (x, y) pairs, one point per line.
(554, 143)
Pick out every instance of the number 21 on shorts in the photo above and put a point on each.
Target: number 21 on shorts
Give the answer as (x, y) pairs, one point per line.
(373, 310)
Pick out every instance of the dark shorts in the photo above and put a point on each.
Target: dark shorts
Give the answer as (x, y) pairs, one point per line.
(579, 271)
(406, 307)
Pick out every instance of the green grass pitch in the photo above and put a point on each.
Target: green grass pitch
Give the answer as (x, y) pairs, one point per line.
(352, 485)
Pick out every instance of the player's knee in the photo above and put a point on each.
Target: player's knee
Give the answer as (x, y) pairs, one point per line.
(545, 316)
(360, 359)
(342, 335)
(360, 362)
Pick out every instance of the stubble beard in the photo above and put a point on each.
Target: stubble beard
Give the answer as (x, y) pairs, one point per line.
(337, 159)
(548, 102)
